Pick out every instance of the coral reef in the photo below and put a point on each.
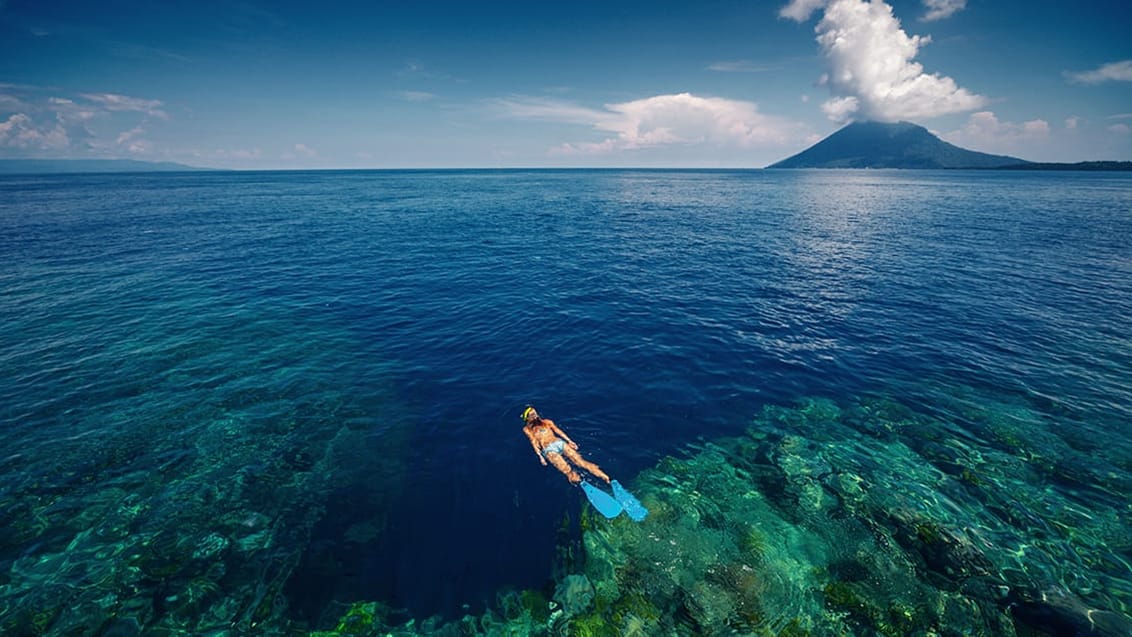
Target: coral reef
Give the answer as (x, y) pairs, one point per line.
(146, 531)
(822, 519)
(868, 518)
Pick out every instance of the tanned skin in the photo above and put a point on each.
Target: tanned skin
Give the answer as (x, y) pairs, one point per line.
(542, 432)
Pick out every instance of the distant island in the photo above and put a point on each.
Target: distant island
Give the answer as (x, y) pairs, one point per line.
(1081, 165)
(907, 145)
(69, 166)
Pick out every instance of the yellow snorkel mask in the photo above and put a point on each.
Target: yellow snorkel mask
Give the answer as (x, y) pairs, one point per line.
(527, 412)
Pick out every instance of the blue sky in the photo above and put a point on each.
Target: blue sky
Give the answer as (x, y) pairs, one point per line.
(264, 85)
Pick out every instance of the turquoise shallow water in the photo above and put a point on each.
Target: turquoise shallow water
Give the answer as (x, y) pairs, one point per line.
(255, 398)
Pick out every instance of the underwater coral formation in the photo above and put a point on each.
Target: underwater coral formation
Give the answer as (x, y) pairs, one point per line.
(865, 519)
(869, 518)
(151, 532)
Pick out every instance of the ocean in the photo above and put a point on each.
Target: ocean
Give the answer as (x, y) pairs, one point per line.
(857, 402)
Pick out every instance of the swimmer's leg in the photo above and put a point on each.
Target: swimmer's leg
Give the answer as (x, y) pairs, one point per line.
(577, 459)
(559, 463)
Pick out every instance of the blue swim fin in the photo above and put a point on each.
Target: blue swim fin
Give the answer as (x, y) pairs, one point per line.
(632, 505)
(602, 501)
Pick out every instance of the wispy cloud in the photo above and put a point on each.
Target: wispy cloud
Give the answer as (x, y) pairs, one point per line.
(21, 133)
(550, 110)
(118, 103)
(1112, 72)
(299, 151)
(11, 103)
(742, 66)
(415, 96)
(133, 142)
(415, 69)
(872, 72)
(661, 120)
(134, 51)
(940, 9)
(227, 155)
(984, 131)
(801, 10)
(41, 122)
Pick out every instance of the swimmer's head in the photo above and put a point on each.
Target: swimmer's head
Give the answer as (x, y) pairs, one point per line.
(529, 414)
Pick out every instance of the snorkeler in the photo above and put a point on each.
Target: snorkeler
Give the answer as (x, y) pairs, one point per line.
(551, 443)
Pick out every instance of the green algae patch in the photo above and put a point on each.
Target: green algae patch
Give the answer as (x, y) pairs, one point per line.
(363, 618)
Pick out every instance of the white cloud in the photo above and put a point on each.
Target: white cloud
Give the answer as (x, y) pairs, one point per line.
(299, 151)
(132, 141)
(130, 135)
(1035, 127)
(940, 9)
(661, 120)
(1072, 122)
(687, 118)
(985, 132)
(11, 103)
(1120, 129)
(1112, 72)
(17, 121)
(86, 124)
(117, 103)
(987, 124)
(872, 72)
(20, 132)
(238, 154)
(841, 109)
(801, 10)
(73, 116)
(140, 147)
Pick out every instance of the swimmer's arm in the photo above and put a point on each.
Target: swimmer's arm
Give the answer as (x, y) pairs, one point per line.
(534, 445)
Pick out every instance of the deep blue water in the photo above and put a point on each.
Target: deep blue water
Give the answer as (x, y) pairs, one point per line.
(191, 343)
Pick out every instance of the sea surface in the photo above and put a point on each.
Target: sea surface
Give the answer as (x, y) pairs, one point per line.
(250, 399)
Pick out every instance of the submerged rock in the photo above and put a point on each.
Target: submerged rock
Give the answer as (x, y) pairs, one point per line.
(1065, 614)
(574, 594)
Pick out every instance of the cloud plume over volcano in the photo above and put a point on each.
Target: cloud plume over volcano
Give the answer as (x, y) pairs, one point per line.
(872, 72)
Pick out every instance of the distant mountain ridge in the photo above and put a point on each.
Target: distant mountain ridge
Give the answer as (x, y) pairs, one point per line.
(891, 145)
(59, 166)
(1104, 165)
